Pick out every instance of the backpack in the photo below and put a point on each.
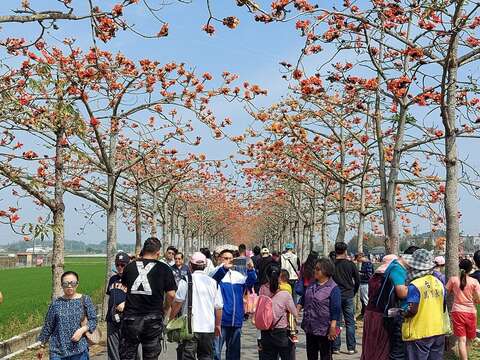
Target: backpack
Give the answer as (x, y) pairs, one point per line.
(263, 319)
(386, 298)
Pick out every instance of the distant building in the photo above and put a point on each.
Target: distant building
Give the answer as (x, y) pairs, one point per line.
(38, 250)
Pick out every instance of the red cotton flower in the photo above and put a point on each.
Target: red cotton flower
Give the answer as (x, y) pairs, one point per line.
(94, 122)
(163, 31)
(209, 29)
(231, 22)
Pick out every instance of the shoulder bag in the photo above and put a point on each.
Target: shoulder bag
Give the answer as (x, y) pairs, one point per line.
(180, 329)
(93, 338)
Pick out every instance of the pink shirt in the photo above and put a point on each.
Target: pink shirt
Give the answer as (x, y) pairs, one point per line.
(282, 305)
(464, 301)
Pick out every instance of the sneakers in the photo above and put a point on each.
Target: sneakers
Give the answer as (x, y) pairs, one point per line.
(351, 352)
(336, 352)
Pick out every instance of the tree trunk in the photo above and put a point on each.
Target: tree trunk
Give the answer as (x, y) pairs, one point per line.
(58, 250)
(448, 113)
(154, 228)
(111, 224)
(342, 223)
(138, 221)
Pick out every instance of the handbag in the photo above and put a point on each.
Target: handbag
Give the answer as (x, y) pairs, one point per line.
(93, 338)
(180, 329)
(250, 302)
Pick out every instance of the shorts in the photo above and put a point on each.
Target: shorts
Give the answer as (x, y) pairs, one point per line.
(464, 324)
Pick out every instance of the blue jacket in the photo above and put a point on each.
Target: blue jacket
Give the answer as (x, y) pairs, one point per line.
(233, 286)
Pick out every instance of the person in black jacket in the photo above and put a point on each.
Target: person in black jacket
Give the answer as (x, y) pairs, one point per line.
(348, 280)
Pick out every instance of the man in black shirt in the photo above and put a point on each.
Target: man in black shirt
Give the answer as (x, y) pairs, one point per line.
(116, 303)
(147, 281)
(348, 280)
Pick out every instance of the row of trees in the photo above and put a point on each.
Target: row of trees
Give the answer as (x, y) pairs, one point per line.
(372, 135)
(365, 139)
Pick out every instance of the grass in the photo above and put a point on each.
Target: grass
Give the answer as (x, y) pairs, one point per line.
(26, 292)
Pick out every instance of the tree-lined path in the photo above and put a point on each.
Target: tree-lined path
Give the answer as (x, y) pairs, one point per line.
(249, 347)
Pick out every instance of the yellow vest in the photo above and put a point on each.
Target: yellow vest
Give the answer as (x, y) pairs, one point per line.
(429, 319)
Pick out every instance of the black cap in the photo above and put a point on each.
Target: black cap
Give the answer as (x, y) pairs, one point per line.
(122, 257)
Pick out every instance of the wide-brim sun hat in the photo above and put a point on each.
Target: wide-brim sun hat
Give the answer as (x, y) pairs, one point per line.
(421, 259)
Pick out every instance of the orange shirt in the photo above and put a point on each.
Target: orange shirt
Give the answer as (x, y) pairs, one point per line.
(464, 301)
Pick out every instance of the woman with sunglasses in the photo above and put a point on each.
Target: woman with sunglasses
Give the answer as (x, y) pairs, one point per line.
(63, 327)
(322, 305)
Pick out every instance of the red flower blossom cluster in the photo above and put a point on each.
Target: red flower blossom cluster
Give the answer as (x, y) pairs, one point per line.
(163, 30)
(399, 86)
(312, 85)
(209, 29)
(231, 22)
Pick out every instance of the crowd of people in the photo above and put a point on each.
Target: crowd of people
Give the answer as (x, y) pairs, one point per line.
(402, 305)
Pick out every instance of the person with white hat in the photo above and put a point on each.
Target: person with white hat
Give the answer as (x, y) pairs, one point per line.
(207, 304)
(437, 272)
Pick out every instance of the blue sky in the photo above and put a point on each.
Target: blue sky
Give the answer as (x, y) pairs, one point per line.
(253, 51)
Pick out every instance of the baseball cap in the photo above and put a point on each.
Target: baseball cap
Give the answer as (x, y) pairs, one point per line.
(122, 257)
(289, 246)
(265, 252)
(198, 259)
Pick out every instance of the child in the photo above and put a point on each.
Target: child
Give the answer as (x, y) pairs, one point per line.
(466, 291)
(292, 322)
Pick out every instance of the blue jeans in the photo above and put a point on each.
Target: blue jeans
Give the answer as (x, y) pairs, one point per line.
(348, 312)
(231, 336)
(82, 356)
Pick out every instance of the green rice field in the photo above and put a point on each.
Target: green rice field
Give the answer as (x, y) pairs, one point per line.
(26, 292)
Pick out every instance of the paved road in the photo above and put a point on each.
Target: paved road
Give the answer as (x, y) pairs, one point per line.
(249, 347)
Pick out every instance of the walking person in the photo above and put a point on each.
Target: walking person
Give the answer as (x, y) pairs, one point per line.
(180, 270)
(233, 286)
(207, 304)
(275, 342)
(65, 326)
(290, 262)
(366, 273)
(169, 256)
(466, 292)
(148, 282)
(439, 266)
(322, 304)
(348, 280)
(307, 273)
(423, 328)
(375, 344)
(241, 261)
(116, 303)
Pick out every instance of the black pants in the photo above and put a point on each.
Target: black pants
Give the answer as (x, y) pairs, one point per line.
(145, 330)
(113, 340)
(275, 344)
(318, 344)
(200, 347)
(397, 346)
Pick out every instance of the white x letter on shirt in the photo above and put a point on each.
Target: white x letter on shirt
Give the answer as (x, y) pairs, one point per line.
(142, 279)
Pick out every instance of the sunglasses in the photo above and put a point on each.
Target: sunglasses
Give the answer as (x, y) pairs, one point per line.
(120, 265)
(66, 284)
